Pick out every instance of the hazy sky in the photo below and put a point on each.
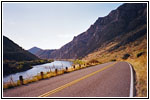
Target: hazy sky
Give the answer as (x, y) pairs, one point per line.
(50, 25)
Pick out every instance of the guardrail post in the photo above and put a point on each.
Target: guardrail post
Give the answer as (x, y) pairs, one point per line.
(42, 75)
(74, 66)
(79, 66)
(21, 80)
(56, 71)
(66, 68)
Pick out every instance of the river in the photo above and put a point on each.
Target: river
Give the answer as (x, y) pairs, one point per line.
(37, 69)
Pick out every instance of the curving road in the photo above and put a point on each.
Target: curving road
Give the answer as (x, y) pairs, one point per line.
(113, 79)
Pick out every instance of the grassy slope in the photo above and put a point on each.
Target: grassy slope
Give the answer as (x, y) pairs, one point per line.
(139, 63)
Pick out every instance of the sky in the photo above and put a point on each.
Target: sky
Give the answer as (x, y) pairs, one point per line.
(50, 25)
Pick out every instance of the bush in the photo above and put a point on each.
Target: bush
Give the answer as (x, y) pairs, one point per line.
(93, 61)
(140, 54)
(113, 60)
(126, 56)
(77, 61)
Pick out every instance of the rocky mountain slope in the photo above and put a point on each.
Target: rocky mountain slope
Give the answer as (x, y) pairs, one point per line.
(121, 26)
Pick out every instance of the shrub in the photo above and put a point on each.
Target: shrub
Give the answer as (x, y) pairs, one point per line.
(77, 61)
(125, 56)
(93, 61)
(140, 54)
(113, 60)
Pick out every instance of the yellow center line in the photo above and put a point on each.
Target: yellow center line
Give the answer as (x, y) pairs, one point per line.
(73, 82)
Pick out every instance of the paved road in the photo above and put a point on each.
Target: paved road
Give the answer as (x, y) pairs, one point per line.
(105, 80)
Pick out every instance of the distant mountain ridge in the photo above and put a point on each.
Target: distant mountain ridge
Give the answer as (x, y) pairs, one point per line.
(41, 53)
(13, 52)
(34, 50)
(44, 54)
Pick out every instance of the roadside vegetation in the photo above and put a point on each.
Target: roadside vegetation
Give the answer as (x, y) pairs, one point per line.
(77, 65)
(140, 67)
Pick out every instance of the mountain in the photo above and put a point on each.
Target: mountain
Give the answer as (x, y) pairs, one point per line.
(122, 26)
(15, 58)
(34, 50)
(44, 54)
(13, 52)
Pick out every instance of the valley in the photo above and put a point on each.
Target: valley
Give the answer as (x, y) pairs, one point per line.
(119, 38)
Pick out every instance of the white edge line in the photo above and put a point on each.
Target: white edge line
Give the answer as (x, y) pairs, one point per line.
(131, 83)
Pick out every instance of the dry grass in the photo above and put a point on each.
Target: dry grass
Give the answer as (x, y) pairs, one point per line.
(32, 79)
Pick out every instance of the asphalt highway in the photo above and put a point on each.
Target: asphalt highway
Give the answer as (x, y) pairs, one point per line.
(113, 79)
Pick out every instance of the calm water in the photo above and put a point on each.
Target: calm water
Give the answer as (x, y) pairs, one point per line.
(37, 69)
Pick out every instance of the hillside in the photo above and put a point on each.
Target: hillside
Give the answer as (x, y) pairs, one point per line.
(12, 51)
(16, 59)
(44, 54)
(137, 56)
(121, 26)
